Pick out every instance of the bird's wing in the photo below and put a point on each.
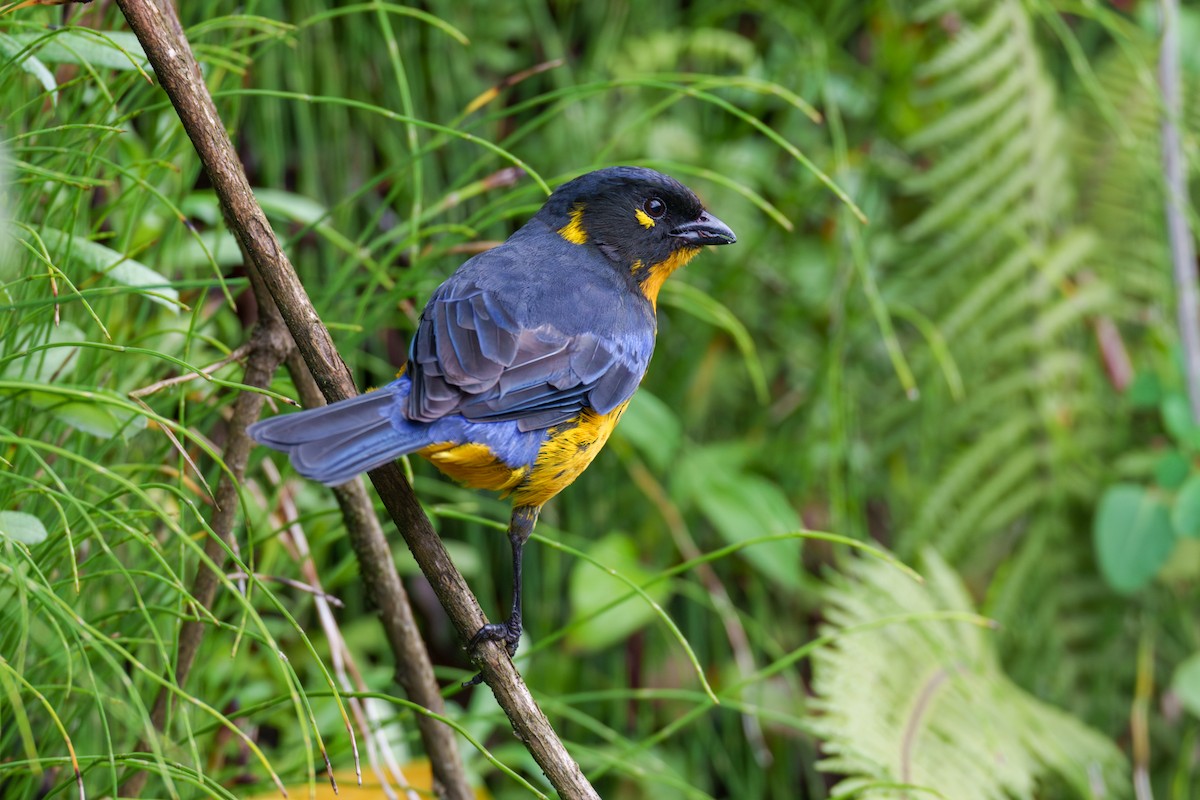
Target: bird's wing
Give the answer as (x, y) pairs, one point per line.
(472, 356)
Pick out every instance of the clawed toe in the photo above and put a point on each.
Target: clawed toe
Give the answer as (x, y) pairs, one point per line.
(508, 632)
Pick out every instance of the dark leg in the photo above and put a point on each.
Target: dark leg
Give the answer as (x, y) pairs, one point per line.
(519, 529)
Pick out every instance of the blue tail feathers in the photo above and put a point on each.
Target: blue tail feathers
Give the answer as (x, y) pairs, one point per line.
(334, 443)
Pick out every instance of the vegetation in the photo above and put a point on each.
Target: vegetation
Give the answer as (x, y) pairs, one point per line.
(947, 332)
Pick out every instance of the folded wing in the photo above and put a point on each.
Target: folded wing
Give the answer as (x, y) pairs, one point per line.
(471, 356)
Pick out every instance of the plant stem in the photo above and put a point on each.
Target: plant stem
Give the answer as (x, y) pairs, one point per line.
(413, 669)
(268, 346)
(1183, 251)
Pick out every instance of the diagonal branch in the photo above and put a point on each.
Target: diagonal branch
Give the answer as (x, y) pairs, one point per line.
(157, 28)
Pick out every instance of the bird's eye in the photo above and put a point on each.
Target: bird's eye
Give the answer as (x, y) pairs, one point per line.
(655, 208)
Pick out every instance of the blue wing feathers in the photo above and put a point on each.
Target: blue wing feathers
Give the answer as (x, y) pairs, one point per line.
(615, 387)
(339, 419)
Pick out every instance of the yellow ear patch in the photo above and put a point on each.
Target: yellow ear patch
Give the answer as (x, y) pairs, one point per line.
(573, 231)
(644, 219)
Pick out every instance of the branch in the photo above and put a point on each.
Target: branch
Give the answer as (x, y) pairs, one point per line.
(269, 344)
(413, 669)
(157, 30)
(1183, 250)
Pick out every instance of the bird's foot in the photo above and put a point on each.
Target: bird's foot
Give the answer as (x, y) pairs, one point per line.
(508, 632)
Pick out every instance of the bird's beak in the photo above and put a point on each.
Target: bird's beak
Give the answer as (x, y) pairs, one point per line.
(705, 229)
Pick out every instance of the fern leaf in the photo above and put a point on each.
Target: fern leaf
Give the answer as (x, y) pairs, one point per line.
(911, 692)
(998, 264)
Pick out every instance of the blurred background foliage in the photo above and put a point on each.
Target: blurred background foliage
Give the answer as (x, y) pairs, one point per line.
(982, 379)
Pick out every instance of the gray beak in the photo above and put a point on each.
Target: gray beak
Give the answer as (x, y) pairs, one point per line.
(705, 229)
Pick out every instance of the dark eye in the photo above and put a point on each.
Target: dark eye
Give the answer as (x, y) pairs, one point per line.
(655, 208)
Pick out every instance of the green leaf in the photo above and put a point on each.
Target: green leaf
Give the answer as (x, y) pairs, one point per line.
(106, 416)
(46, 364)
(104, 422)
(741, 506)
(105, 260)
(1133, 536)
(11, 46)
(25, 528)
(590, 588)
(1146, 390)
(910, 666)
(119, 50)
(1177, 417)
(218, 247)
(1172, 469)
(291, 206)
(1186, 684)
(1185, 513)
(653, 429)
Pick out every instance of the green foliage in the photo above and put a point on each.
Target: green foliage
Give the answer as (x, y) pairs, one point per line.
(995, 262)
(1186, 684)
(931, 379)
(22, 527)
(1137, 527)
(592, 590)
(999, 463)
(1134, 536)
(913, 702)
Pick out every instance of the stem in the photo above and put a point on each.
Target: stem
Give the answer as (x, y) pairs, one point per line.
(1183, 251)
(269, 344)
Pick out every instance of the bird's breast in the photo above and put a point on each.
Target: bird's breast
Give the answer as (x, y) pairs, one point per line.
(476, 465)
(566, 453)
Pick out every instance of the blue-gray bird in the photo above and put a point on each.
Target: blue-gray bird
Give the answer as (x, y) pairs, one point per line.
(525, 358)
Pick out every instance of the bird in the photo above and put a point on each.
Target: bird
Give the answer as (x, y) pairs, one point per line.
(525, 358)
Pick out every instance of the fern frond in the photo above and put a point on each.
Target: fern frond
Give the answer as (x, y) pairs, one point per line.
(1033, 224)
(911, 692)
(1121, 180)
(997, 262)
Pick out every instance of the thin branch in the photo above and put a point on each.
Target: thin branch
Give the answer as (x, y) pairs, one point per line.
(1183, 249)
(175, 67)
(269, 343)
(308, 588)
(379, 751)
(413, 669)
(237, 355)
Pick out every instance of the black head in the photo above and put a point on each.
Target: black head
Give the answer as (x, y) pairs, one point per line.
(637, 217)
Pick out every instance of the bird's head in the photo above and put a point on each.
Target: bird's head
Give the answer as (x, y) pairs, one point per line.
(641, 220)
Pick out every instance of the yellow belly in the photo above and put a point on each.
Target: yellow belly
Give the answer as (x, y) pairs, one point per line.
(474, 465)
(566, 453)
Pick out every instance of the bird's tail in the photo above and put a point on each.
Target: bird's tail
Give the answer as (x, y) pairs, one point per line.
(334, 443)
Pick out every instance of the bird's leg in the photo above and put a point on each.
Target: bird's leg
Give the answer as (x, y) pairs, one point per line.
(520, 527)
